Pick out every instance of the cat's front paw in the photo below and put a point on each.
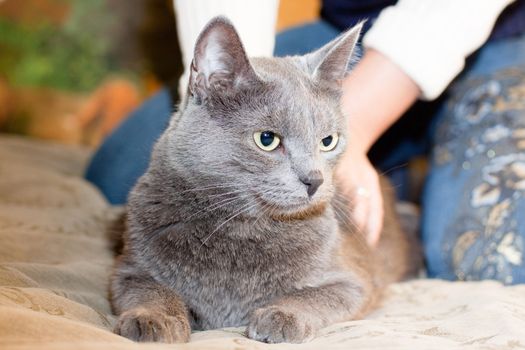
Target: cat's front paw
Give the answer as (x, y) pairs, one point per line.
(144, 325)
(276, 324)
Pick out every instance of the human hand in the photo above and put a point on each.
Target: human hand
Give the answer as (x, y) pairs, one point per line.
(375, 94)
(359, 182)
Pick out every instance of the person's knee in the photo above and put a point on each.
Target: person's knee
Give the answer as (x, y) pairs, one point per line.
(479, 155)
(484, 238)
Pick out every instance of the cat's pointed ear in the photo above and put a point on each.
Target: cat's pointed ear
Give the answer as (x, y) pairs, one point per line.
(329, 64)
(220, 64)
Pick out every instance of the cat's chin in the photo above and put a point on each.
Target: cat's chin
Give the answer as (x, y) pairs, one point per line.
(299, 212)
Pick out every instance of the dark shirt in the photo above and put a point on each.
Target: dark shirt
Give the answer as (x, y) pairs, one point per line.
(345, 13)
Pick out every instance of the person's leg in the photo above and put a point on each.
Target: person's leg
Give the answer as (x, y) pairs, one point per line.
(474, 202)
(303, 39)
(124, 155)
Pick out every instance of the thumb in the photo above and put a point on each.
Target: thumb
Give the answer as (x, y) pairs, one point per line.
(374, 223)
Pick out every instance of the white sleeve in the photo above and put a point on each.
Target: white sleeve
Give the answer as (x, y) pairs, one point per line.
(254, 20)
(430, 39)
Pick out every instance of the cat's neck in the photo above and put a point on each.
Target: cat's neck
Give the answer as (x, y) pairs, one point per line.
(209, 215)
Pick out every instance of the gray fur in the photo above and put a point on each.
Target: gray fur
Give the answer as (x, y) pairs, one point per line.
(221, 233)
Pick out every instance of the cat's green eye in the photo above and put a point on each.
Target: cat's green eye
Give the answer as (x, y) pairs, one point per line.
(266, 140)
(328, 143)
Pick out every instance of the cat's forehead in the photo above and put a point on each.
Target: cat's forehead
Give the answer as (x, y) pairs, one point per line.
(292, 102)
(293, 84)
(285, 71)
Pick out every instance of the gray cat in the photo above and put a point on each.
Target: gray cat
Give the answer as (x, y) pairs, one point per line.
(237, 221)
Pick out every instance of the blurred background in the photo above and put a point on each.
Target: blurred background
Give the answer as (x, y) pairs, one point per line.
(72, 70)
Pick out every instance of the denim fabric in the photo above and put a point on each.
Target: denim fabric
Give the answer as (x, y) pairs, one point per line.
(304, 39)
(473, 221)
(124, 155)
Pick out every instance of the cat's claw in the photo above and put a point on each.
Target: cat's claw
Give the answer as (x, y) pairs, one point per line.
(145, 325)
(279, 325)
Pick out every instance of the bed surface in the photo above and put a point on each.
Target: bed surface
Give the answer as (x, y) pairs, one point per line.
(55, 258)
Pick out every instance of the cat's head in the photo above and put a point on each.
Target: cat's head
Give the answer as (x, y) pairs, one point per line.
(267, 131)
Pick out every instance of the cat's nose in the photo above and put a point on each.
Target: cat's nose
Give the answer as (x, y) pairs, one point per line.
(313, 180)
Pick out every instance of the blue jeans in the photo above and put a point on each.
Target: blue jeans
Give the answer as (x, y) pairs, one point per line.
(470, 223)
(124, 155)
(473, 223)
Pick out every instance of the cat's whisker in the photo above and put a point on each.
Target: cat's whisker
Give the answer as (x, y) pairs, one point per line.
(400, 166)
(227, 193)
(341, 209)
(216, 206)
(266, 209)
(208, 188)
(168, 196)
(244, 209)
(237, 195)
(360, 237)
(212, 188)
(200, 189)
(341, 205)
(348, 220)
(338, 215)
(344, 217)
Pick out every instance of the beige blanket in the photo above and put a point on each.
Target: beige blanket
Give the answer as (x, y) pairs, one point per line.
(55, 260)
